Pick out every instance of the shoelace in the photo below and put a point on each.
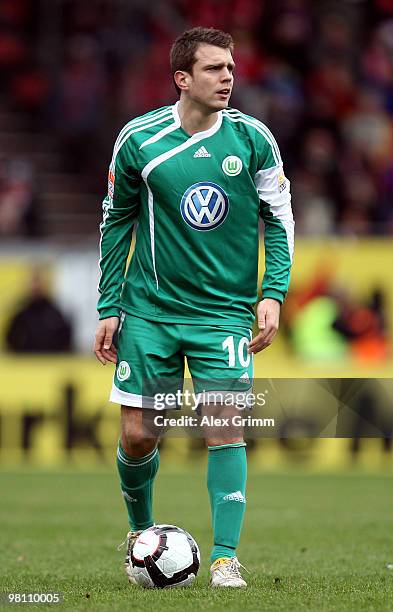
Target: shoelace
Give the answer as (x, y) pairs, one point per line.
(234, 568)
(130, 537)
(120, 546)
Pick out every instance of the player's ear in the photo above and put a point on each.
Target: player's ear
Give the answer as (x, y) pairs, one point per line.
(182, 80)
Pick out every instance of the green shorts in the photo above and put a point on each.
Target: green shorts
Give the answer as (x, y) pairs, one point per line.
(151, 359)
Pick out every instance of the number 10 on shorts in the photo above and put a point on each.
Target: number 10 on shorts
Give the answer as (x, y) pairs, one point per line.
(240, 351)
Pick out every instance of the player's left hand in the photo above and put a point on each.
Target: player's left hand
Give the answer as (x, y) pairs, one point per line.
(268, 313)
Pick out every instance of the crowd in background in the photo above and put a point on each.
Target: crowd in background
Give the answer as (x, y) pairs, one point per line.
(19, 208)
(319, 73)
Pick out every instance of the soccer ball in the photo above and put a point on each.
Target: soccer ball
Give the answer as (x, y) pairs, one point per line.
(164, 556)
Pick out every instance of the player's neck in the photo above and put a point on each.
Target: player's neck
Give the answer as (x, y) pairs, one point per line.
(194, 118)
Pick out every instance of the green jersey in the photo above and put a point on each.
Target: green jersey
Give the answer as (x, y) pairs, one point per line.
(196, 201)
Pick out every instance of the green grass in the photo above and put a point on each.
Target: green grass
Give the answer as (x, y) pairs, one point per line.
(311, 542)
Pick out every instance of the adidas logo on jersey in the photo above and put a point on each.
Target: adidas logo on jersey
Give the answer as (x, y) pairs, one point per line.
(235, 496)
(202, 152)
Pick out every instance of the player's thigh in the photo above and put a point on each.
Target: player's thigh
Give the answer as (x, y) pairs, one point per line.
(148, 358)
(217, 355)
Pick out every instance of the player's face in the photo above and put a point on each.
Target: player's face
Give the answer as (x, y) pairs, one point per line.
(211, 80)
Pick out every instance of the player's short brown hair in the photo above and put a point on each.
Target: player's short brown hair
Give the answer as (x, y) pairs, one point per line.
(182, 56)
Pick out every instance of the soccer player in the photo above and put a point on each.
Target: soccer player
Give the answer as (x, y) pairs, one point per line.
(196, 177)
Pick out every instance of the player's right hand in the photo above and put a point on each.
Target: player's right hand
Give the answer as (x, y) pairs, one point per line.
(104, 348)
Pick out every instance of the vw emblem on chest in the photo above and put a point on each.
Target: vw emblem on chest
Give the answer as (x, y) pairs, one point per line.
(204, 206)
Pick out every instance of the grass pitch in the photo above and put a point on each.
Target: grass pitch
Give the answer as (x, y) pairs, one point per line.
(311, 542)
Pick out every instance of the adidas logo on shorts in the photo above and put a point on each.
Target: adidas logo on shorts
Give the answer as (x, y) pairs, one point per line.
(244, 378)
(202, 152)
(236, 496)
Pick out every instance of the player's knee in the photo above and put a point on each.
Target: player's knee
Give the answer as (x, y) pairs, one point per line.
(136, 445)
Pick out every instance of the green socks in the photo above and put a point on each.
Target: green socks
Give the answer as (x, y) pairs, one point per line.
(136, 479)
(226, 482)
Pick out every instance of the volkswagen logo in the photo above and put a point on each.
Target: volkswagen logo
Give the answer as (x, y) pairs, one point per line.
(204, 206)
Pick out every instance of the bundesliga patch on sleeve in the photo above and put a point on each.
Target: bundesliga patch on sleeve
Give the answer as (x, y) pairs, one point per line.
(281, 181)
(111, 183)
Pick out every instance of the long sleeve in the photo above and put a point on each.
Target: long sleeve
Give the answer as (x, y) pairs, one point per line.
(275, 209)
(120, 211)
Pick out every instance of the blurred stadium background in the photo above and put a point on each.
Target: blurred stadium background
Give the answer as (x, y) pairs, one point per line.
(319, 73)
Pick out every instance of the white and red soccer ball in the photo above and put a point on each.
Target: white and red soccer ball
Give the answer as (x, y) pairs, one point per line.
(164, 556)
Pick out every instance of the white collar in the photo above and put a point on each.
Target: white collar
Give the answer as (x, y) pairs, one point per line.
(198, 135)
